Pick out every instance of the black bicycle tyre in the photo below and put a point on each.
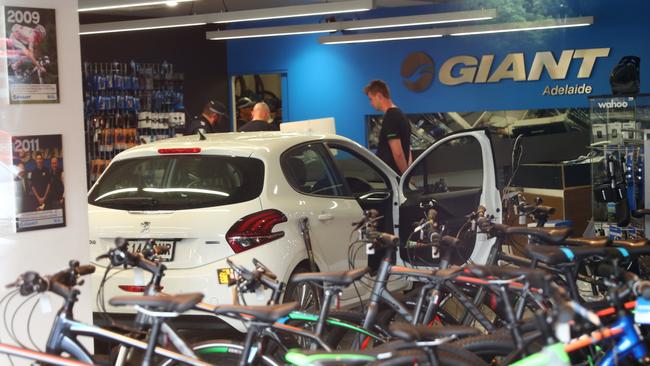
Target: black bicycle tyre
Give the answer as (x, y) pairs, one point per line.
(221, 352)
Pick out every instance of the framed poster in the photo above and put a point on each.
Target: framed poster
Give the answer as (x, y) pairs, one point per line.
(39, 189)
(32, 67)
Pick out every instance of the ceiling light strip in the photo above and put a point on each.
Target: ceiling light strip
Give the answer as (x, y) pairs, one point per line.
(83, 33)
(338, 7)
(345, 25)
(270, 31)
(415, 20)
(228, 17)
(98, 5)
(381, 36)
(523, 26)
(142, 24)
(458, 31)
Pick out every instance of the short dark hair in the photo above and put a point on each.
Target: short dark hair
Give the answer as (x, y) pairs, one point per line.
(38, 153)
(377, 86)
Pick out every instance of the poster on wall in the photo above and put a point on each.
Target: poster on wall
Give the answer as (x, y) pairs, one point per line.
(32, 67)
(39, 190)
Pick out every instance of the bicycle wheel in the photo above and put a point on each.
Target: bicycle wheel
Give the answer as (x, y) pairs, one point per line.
(222, 352)
(493, 348)
(446, 355)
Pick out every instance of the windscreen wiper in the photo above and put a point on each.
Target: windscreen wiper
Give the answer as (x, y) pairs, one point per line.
(134, 201)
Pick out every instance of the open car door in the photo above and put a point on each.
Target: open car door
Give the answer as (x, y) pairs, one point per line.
(454, 176)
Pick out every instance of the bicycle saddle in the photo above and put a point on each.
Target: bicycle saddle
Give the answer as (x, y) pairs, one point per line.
(265, 314)
(536, 278)
(599, 242)
(410, 333)
(630, 243)
(559, 255)
(345, 278)
(547, 235)
(168, 303)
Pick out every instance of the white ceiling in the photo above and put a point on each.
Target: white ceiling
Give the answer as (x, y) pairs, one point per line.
(213, 6)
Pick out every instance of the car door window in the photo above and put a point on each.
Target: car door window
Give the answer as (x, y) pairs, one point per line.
(308, 170)
(360, 176)
(456, 165)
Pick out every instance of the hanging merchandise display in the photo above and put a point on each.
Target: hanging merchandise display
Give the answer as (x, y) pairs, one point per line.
(618, 169)
(126, 105)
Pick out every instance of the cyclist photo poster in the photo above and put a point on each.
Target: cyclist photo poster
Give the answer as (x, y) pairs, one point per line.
(39, 189)
(32, 69)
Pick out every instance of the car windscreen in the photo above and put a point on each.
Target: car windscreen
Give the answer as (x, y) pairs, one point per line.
(178, 182)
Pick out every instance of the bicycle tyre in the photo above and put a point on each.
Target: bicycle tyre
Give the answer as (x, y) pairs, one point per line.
(221, 352)
(446, 356)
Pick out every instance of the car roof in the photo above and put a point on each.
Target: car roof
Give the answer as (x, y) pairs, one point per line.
(233, 143)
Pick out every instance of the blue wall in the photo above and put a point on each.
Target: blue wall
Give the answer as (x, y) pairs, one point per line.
(328, 80)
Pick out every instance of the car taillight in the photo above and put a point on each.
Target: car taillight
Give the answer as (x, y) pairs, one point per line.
(180, 150)
(254, 230)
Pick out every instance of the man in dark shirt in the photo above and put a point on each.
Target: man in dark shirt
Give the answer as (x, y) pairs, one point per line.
(261, 119)
(40, 178)
(213, 119)
(394, 146)
(55, 197)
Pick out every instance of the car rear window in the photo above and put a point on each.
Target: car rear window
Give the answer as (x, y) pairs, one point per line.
(178, 182)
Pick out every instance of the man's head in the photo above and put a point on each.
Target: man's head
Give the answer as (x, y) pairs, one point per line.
(39, 159)
(213, 111)
(261, 112)
(378, 94)
(54, 164)
(245, 108)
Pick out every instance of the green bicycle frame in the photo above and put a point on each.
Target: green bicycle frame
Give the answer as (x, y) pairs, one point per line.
(550, 355)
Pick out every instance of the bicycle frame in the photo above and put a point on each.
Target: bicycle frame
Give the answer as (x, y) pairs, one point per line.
(63, 338)
(38, 356)
(630, 342)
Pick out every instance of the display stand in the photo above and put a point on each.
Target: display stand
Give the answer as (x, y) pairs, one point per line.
(126, 105)
(618, 169)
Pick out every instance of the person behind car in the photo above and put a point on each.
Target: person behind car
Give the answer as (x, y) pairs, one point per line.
(262, 120)
(394, 146)
(244, 111)
(213, 119)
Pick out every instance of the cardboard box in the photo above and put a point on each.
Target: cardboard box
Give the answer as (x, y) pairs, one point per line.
(614, 132)
(599, 131)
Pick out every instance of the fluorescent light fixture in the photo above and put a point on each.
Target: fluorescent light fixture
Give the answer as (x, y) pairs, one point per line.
(226, 17)
(523, 26)
(270, 31)
(381, 36)
(415, 20)
(457, 31)
(338, 7)
(97, 5)
(84, 31)
(356, 24)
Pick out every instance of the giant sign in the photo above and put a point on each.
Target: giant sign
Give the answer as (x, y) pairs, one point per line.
(418, 70)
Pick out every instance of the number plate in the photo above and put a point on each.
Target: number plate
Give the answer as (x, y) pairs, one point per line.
(223, 275)
(136, 246)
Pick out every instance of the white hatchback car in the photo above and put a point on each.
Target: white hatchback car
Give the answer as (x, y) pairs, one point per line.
(243, 195)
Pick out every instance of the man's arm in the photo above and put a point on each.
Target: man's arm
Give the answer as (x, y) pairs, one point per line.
(398, 154)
